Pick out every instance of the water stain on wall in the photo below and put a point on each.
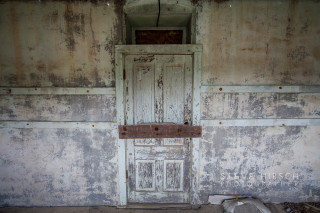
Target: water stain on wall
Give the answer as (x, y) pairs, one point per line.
(75, 26)
(16, 36)
(115, 35)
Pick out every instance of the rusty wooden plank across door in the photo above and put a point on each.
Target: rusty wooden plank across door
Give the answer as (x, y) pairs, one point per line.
(158, 89)
(159, 130)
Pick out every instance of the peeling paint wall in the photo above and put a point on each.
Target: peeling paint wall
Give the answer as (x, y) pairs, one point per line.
(276, 164)
(58, 108)
(248, 43)
(58, 44)
(259, 105)
(58, 167)
(71, 44)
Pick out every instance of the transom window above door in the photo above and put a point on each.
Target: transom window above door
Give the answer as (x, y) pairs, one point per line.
(148, 22)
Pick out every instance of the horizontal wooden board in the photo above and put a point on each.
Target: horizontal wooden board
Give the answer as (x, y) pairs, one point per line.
(159, 131)
(57, 125)
(57, 91)
(260, 89)
(261, 122)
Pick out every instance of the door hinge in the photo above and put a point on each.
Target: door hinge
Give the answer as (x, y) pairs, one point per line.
(127, 176)
(124, 74)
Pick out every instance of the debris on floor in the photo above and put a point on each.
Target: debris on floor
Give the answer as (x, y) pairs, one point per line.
(301, 207)
(245, 205)
(218, 199)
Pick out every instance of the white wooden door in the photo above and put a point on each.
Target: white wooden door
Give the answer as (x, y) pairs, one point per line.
(158, 89)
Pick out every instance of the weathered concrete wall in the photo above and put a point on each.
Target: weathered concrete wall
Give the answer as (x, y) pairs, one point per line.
(52, 167)
(260, 43)
(276, 164)
(58, 108)
(52, 43)
(259, 105)
(58, 44)
(71, 44)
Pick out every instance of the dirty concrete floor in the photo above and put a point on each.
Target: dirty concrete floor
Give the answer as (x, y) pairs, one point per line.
(275, 208)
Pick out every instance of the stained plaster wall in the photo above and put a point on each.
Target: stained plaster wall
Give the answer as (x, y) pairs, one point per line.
(58, 44)
(70, 44)
(250, 43)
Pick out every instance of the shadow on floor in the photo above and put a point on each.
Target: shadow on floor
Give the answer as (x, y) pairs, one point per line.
(275, 208)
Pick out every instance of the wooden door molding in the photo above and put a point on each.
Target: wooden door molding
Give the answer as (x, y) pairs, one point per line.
(196, 52)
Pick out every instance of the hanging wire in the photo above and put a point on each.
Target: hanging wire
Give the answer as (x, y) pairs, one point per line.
(158, 13)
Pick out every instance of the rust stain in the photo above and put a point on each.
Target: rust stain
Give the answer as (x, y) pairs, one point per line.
(17, 46)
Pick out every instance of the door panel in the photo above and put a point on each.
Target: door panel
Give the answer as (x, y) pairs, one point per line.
(145, 175)
(173, 98)
(158, 89)
(173, 175)
(143, 93)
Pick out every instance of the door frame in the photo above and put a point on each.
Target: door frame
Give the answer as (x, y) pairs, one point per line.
(186, 49)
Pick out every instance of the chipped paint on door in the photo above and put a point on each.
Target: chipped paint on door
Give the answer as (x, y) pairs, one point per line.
(158, 90)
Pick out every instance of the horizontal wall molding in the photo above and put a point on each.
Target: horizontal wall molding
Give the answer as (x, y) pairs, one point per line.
(114, 125)
(57, 91)
(58, 125)
(261, 122)
(260, 89)
(112, 90)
